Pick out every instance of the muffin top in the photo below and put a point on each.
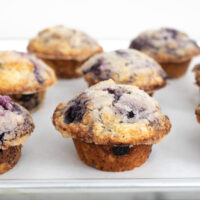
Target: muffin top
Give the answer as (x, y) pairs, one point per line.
(166, 45)
(125, 66)
(22, 73)
(59, 42)
(196, 70)
(108, 113)
(16, 123)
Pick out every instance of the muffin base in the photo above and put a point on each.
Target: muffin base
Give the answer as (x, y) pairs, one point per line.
(197, 112)
(31, 102)
(65, 68)
(9, 158)
(175, 70)
(112, 158)
(198, 118)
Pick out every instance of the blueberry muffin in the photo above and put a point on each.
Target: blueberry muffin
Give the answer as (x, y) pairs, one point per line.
(24, 78)
(171, 48)
(113, 126)
(65, 50)
(16, 126)
(196, 70)
(125, 66)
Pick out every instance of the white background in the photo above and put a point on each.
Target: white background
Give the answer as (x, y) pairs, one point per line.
(103, 19)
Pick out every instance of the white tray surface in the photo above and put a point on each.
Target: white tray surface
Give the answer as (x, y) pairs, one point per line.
(48, 156)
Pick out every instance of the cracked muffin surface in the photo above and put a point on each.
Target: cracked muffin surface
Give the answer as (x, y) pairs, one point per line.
(108, 113)
(59, 42)
(16, 123)
(166, 45)
(125, 66)
(23, 73)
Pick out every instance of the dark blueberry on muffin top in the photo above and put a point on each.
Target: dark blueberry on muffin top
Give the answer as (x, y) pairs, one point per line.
(75, 112)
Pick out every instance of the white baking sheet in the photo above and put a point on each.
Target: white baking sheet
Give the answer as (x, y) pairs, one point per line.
(46, 156)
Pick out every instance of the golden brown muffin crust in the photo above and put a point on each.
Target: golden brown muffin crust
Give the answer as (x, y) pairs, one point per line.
(112, 114)
(59, 42)
(22, 73)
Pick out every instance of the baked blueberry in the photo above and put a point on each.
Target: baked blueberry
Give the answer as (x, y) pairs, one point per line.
(120, 150)
(75, 112)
